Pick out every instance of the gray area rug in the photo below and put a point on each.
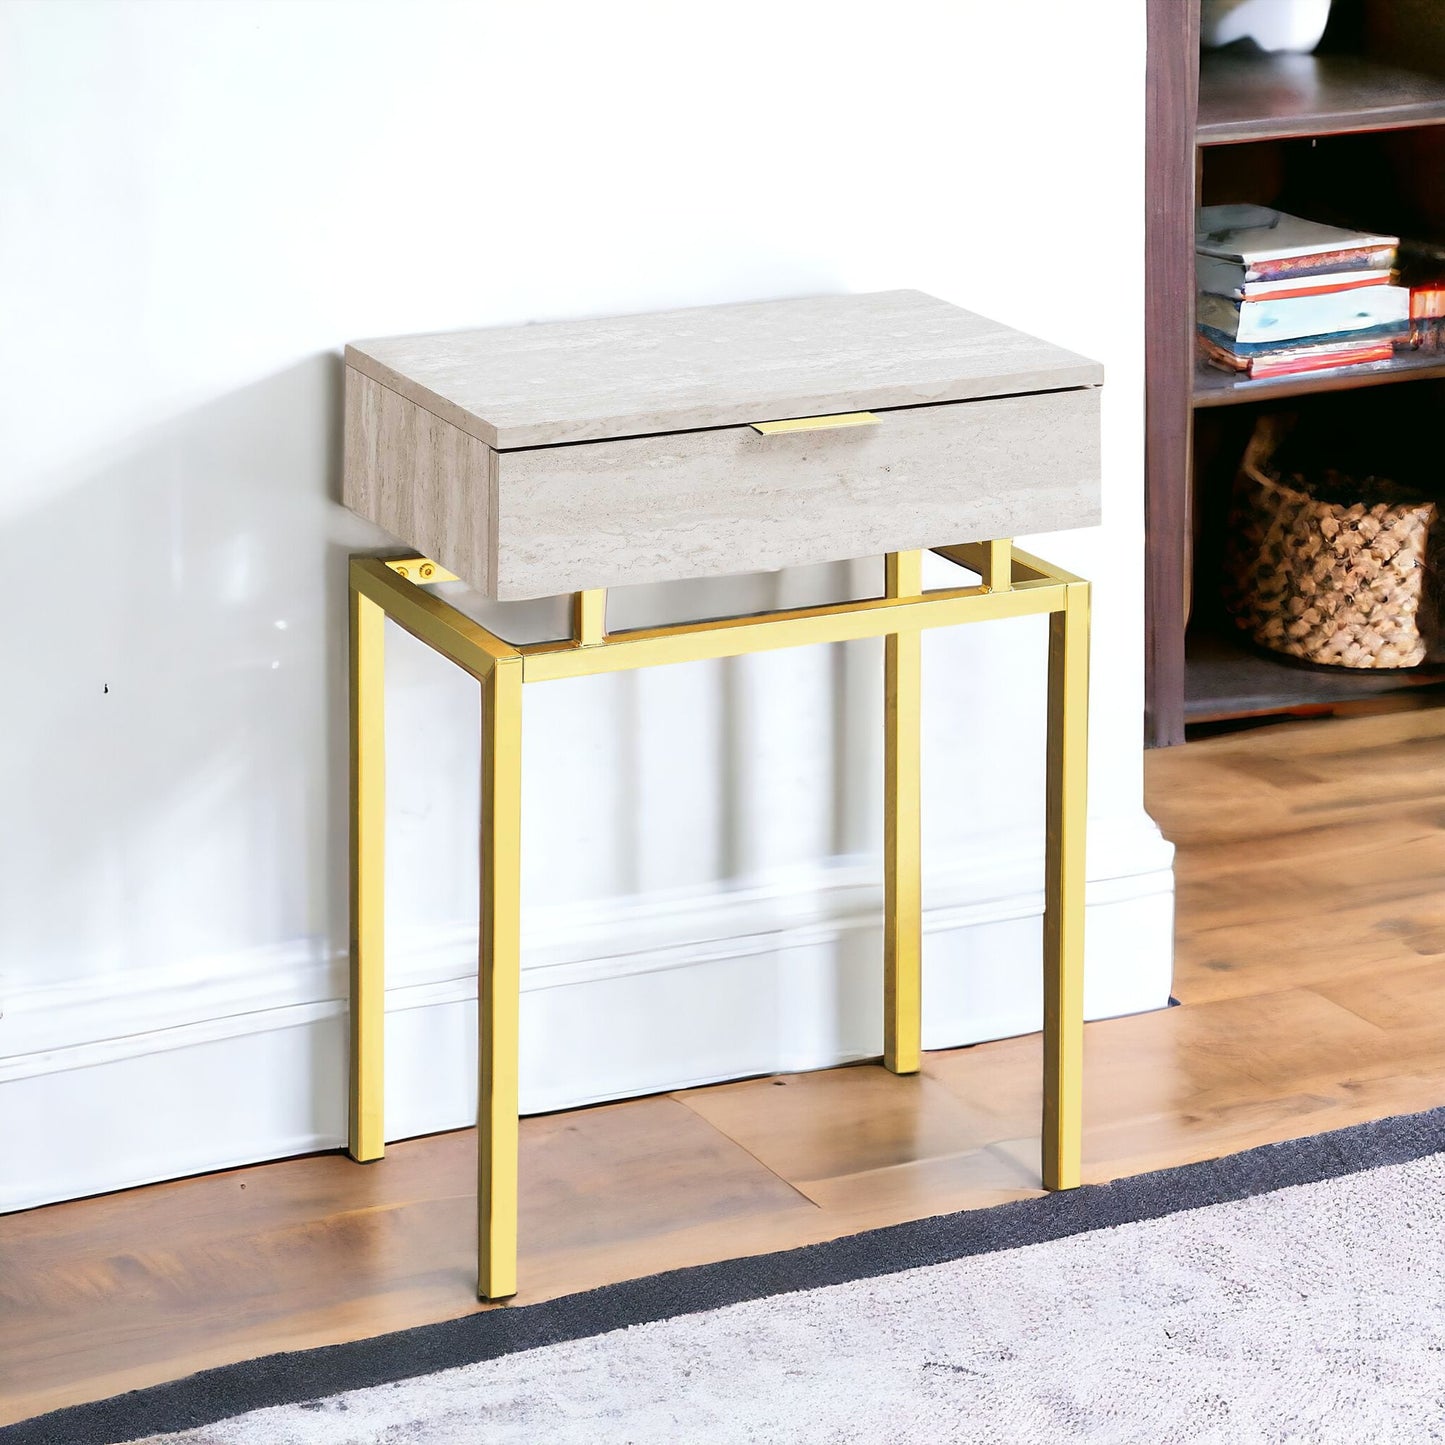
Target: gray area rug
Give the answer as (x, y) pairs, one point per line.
(1292, 1293)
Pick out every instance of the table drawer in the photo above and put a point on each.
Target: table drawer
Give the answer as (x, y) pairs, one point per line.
(729, 499)
(537, 521)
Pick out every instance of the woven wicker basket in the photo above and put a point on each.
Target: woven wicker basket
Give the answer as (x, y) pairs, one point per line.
(1350, 584)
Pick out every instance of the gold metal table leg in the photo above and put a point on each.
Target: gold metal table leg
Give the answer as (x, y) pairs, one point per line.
(589, 617)
(499, 981)
(1066, 817)
(1015, 585)
(368, 871)
(902, 866)
(996, 565)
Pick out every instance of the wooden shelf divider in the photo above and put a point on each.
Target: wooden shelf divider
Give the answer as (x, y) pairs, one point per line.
(1213, 387)
(1278, 97)
(1226, 678)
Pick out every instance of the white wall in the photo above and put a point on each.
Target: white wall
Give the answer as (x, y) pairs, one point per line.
(201, 203)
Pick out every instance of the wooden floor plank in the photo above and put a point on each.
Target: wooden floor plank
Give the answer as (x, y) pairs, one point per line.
(1310, 946)
(1314, 948)
(1407, 999)
(883, 1121)
(212, 1266)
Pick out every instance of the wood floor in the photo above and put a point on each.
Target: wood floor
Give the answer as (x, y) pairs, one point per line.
(1311, 966)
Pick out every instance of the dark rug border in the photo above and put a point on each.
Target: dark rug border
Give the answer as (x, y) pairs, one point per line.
(290, 1378)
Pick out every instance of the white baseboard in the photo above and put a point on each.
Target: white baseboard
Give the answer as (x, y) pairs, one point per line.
(178, 1070)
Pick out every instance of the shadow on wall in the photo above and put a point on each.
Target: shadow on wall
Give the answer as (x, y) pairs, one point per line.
(176, 771)
(700, 773)
(171, 776)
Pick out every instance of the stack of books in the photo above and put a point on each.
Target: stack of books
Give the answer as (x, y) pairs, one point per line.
(1280, 295)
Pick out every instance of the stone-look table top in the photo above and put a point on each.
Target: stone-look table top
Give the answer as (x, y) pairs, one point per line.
(712, 366)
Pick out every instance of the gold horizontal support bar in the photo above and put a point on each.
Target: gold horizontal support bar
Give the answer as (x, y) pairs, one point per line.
(1038, 588)
(420, 569)
(1028, 570)
(982, 557)
(428, 618)
(1038, 570)
(769, 631)
(816, 423)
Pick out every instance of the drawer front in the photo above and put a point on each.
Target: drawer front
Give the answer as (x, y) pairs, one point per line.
(709, 503)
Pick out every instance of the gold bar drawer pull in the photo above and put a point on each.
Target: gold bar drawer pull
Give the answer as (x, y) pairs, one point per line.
(817, 423)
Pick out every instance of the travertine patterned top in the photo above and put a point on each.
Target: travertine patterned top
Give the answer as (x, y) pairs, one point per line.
(711, 366)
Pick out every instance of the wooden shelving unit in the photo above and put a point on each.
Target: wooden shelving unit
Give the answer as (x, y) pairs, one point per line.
(1355, 134)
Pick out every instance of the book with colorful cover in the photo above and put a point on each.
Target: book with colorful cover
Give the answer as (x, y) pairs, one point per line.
(1396, 332)
(1423, 269)
(1263, 244)
(1300, 318)
(1293, 361)
(1427, 301)
(1264, 367)
(1427, 316)
(1226, 278)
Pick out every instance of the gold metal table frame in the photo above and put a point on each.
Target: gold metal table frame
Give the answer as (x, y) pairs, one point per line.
(1013, 584)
